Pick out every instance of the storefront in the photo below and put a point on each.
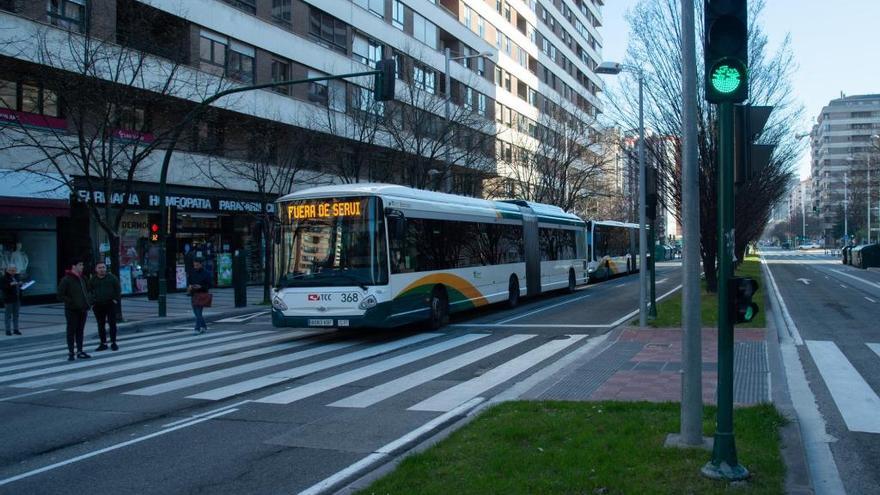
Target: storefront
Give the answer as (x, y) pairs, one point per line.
(208, 224)
(31, 208)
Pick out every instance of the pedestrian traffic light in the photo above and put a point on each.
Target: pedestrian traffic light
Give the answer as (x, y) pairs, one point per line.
(725, 51)
(750, 158)
(383, 85)
(742, 309)
(154, 232)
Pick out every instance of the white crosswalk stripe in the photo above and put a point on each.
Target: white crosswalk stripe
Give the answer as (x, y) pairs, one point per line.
(450, 398)
(389, 389)
(299, 393)
(855, 399)
(290, 374)
(59, 346)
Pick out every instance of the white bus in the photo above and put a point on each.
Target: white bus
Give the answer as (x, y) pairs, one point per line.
(612, 248)
(379, 255)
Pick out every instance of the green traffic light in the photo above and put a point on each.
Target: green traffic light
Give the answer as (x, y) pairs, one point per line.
(726, 79)
(749, 313)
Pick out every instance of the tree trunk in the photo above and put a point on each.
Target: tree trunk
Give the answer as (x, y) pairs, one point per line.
(115, 268)
(709, 269)
(268, 244)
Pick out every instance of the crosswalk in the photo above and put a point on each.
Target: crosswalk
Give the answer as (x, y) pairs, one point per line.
(230, 363)
(855, 399)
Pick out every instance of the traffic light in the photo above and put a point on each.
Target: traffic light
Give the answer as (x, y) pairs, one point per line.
(725, 50)
(742, 309)
(154, 232)
(383, 85)
(750, 158)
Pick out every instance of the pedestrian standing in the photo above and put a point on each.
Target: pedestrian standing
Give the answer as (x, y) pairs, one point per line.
(72, 291)
(197, 286)
(105, 291)
(11, 288)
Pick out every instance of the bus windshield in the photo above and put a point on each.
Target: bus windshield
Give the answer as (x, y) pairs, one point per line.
(332, 242)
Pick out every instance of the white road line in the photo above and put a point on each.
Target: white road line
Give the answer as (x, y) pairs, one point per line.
(200, 378)
(390, 448)
(242, 318)
(793, 332)
(860, 279)
(54, 349)
(290, 374)
(335, 381)
(101, 360)
(855, 399)
(662, 280)
(843, 286)
(152, 374)
(545, 308)
(451, 398)
(394, 387)
(206, 413)
(111, 448)
(19, 396)
(869, 299)
(523, 325)
(875, 348)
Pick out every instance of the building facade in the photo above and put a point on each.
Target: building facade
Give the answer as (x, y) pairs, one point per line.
(538, 59)
(844, 153)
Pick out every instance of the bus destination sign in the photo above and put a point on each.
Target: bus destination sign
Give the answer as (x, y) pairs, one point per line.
(324, 210)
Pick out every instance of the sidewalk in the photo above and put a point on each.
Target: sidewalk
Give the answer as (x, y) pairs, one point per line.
(636, 365)
(48, 319)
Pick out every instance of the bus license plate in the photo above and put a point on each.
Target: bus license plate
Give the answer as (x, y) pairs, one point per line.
(320, 323)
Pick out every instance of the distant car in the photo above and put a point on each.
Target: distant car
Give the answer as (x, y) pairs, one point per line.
(810, 245)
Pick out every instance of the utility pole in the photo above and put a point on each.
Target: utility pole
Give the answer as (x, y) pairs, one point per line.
(845, 209)
(803, 213)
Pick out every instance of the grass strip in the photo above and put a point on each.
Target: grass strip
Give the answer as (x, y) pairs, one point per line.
(586, 448)
(669, 309)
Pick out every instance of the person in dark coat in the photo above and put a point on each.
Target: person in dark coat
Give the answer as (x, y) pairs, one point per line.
(105, 292)
(199, 280)
(11, 288)
(73, 293)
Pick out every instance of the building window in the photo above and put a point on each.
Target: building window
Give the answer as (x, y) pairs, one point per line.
(397, 14)
(466, 17)
(212, 48)
(481, 66)
(8, 95)
(424, 78)
(129, 117)
(209, 136)
(481, 27)
(481, 104)
(365, 101)
(336, 95)
(240, 62)
(67, 14)
(377, 7)
(469, 98)
(365, 50)
(281, 11)
(280, 72)
(328, 29)
(29, 98)
(318, 90)
(245, 5)
(424, 31)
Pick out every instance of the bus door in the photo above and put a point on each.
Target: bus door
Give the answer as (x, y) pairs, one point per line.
(533, 251)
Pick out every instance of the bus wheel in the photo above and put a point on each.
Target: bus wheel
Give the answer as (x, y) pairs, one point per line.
(439, 308)
(572, 283)
(513, 292)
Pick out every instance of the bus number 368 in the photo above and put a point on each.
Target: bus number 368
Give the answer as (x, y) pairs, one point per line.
(351, 297)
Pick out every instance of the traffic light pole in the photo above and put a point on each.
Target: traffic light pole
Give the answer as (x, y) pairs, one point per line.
(652, 290)
(724, 464)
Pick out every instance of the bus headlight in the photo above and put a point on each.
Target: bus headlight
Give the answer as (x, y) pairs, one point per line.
(278, 304)
(368, 302)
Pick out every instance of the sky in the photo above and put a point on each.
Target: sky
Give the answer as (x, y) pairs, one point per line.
(836, 48)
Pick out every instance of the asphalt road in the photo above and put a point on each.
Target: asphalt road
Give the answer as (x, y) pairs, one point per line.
(836, 311)
(247, 408)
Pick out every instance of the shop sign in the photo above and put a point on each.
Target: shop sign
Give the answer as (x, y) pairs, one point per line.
(129, 135)
(187, 202)
(31, 119)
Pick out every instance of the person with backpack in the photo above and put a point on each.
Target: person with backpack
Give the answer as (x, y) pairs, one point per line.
(105, 292)
(198, 284)
(73, 293)
(11, 291)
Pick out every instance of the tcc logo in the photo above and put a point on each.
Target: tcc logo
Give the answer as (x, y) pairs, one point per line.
(319, 297)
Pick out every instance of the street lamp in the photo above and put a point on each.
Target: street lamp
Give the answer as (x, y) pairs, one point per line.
(447, 53)
(615, 68)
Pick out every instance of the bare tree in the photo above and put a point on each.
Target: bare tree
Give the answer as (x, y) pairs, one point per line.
(655, 47)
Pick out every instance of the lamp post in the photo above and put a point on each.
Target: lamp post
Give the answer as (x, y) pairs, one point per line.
(614, 68)
(447, 110)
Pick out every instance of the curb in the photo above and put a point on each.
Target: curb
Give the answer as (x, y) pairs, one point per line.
(797, 472)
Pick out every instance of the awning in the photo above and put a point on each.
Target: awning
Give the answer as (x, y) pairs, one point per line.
(29, 193)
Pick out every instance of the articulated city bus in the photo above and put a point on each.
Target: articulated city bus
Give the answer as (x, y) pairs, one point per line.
(379, 255)
(612, 248)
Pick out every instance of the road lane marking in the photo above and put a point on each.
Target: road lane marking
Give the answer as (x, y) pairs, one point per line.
(545, 308)
(855, 399)
(843, 286)
(866, 282)
(786, 316)
(300, 371)
(869, 299)
(451, 398)
(335, 381)
(59, 348)
(204, 363)
(200, 378)
(874, 347)
(525, 325)
(242, 318)
(394, 387)
(112, 448)
(662, 280)
(19, 396)
(206, 413)
(389, 449)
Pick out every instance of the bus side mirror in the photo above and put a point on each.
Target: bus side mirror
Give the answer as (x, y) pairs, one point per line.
(396, 223)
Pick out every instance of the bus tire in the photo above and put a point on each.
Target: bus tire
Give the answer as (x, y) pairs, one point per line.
(513, 292)
(439, 308)
(572, 282)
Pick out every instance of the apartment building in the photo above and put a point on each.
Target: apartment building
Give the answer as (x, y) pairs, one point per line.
(844, 154)
(512, 63)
